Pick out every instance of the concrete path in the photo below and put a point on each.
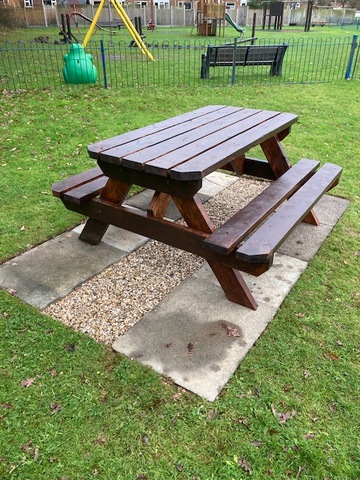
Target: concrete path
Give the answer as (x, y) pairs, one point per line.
(195, 336)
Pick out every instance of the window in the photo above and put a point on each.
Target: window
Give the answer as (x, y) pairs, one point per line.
(28, 3)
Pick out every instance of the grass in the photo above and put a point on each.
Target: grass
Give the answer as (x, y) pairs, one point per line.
(70, 408)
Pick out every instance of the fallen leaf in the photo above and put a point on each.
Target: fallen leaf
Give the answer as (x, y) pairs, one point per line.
(55, 407)
(331, 407)
(101, 440)
(230, 332)
(190, 347)
(28, 382)
(339, 342)
(70, 347)
(212, 413)
(306, 374)
(53, 372)
(331, 356)
(244, 464)
(300, 315)
(145, 440)
(309, 436)
(283, 417)
(256, 444)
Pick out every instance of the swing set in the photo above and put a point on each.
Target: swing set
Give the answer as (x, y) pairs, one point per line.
(126, 21)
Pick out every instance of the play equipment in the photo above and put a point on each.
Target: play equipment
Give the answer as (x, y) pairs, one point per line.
(273, 10)
(126, 21)
(210, 18)
(65, 32)
(233, 24)
(89, 20)
(79, 66)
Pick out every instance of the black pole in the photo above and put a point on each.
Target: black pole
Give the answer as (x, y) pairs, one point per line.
(253, 29)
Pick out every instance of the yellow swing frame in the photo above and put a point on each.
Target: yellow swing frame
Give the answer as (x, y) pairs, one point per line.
(126, 21)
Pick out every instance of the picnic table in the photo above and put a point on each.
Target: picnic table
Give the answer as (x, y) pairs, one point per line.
(172, 158)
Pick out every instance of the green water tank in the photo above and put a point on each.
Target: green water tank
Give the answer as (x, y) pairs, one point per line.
(79, 66)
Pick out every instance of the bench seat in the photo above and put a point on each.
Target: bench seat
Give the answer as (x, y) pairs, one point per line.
(243, 55)
(257, 231)
(82, 187)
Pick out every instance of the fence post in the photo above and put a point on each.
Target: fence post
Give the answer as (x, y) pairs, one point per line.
(234, 63)
(354, 45)
(103, 61)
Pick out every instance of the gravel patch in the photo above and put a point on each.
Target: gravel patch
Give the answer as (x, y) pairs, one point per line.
(108, 305)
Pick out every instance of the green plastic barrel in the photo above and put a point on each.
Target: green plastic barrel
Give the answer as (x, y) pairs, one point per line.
(79, 66)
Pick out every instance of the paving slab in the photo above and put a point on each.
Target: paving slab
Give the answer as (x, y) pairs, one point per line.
(196, 337)
(305, 240)
(53, 269)
(272, 287)
(119, 238)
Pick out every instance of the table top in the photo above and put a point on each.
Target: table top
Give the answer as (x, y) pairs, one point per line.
(192, 145)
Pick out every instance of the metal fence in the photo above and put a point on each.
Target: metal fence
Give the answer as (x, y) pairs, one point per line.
(34, 65)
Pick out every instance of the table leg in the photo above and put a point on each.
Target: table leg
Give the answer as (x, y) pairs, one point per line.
(158, 205)
(114, 191)
(231, 280)
(280, 164)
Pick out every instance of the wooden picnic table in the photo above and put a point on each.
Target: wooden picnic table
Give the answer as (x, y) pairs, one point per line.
(172, 158)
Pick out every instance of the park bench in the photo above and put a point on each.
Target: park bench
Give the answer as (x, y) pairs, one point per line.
(243, 55)
(256, 232)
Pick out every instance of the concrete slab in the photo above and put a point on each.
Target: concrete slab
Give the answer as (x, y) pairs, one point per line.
(215, 182)
(195, 337)
(119, 238)
(305, 240)
(55, 268)
(272, 287)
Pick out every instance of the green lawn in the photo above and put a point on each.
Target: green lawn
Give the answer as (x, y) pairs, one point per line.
(71, 409)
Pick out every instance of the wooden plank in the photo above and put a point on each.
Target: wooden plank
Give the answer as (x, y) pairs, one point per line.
(220, 155)
(87, 191)
(162, 184)
(76, 180)
(262, 244)
(160, 155)
(226, 237)
(205, 147)
(139, 150)
(96, 148)
(171, 233)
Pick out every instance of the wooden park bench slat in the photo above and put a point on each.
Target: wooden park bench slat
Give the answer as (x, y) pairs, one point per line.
(86, 192)
(170, 162)
(96, 149)
(201, 165)
(243, 55)
(133, 153)
(59, 188)
(262, 244)
(226, 237)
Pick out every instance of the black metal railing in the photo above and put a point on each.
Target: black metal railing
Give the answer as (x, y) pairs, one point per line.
(33, 65)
